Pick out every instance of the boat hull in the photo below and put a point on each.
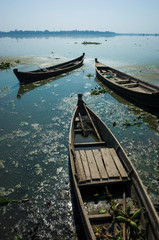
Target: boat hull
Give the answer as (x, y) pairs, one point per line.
(41, 74)
(148, 98)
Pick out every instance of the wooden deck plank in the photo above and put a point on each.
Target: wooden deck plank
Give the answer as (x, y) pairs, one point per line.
(92, 165)
(120, 167)
(85, 165)
(100, 164)
(109, 163)
(79, 167)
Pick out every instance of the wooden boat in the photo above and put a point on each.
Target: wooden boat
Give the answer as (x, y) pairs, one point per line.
(109, 192)
(44, 73)
(127, 86)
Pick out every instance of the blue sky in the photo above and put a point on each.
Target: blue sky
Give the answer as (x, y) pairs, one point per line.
(121, 16)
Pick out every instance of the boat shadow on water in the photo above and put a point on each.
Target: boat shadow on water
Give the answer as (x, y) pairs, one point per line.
(149, 116)
(31, 86)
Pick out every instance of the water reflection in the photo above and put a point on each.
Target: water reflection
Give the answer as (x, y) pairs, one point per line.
(64, 34)
(31, 86)
(149, 116)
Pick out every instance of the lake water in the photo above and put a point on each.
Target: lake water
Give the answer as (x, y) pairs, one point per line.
(34, 128)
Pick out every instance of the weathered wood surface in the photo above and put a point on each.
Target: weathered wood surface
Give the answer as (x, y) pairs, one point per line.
(98, 164)
(79, 167)
(109, 163)
(118, 163)
(92, 165)
(85, 165)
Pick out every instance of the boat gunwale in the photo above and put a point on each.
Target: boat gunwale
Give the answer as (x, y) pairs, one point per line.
(45, 73)
(39, 71)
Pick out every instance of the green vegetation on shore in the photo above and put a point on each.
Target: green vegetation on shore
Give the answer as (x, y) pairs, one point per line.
(5, 65)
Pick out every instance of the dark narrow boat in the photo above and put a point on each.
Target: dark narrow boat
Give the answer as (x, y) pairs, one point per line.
(44, 73)
(134, 89)
(112, 200)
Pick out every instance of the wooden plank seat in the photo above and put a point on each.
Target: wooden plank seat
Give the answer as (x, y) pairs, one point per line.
(79, 130)
(106, 215)
(104, 71)
(122, 81)
(86, 144)
(131, 85)
(98, 165)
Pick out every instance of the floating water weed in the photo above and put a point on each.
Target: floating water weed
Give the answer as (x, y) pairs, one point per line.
(2, 138)
(38, 169)
(133, 123)
(17, 61)
(5, 201)
(97, 90)
(24, 124)
(4, 65)
(4, 192)
(1, 164)
(86, 43)
(90, 75)
(114, 124)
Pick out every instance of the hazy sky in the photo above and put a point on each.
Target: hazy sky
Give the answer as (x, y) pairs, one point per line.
(121, 16)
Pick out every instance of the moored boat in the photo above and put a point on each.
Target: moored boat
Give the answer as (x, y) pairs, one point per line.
(45, 73)
(127, 86)
(112, 200)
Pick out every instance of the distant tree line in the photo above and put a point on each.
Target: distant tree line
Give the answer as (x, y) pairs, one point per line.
(71, 32)
(56, 32)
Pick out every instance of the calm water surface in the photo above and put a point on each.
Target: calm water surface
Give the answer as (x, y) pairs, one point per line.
(34, 128)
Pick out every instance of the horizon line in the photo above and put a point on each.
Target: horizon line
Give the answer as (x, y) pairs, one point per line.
(72, 31)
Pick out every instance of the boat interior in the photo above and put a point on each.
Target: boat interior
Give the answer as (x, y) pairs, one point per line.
(101, 177)
(126, 81)
(96, 162)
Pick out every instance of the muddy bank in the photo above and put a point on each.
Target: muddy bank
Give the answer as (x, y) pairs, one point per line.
(27, 60)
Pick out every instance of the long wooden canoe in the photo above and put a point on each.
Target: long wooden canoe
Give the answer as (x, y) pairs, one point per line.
(128, 86)
(44, 73)
(111, 198)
